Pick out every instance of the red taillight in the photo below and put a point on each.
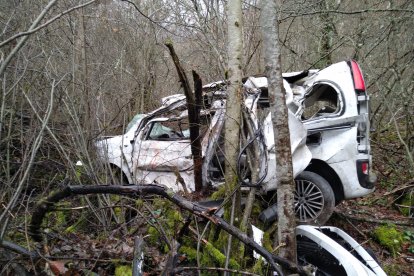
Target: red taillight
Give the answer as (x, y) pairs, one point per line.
(365, 167)
(359, 82)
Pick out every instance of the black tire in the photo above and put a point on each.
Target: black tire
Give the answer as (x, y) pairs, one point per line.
(314, 199)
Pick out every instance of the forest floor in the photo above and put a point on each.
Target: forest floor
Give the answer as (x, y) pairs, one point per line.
(80, 252)
(361, 217)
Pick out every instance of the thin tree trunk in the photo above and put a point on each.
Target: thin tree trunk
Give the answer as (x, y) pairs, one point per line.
(233, 109)
(83, 72)
(279, 112)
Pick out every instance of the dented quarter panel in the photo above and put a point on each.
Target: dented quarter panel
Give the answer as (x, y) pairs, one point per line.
(336, 145)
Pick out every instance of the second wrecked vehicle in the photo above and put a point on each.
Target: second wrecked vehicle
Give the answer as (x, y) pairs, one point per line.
(329, 129)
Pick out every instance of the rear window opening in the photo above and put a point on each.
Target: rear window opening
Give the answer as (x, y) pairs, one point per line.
(321, 101)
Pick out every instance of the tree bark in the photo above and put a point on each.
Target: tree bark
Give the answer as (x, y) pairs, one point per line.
(279, 112)
(234, 91)
(233, 111)
(193, 105)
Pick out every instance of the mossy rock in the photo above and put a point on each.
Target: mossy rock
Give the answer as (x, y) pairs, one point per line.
(389, 237)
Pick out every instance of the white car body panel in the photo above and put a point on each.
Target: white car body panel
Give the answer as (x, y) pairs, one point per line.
(351, 265)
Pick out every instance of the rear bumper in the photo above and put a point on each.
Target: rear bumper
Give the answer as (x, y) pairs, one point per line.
(367, 178)
(353, 187)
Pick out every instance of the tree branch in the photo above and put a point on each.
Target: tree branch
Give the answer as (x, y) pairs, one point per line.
(18, 249)
(21, 43)
(135, 191)
(31, 31)
(345, 12)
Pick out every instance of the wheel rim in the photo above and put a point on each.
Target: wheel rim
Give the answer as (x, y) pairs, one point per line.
(309, 200)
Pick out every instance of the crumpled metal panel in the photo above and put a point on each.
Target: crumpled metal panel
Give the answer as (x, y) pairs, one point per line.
(301, 155)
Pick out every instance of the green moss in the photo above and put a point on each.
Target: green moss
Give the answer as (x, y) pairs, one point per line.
(219, 257)
(220, 193)
(258, 266)
(407, 200)
(139, 203)
(154, 235)
(123, 270)
(267, 238)
(60, 218)
(80, 223)
(392, 269)
(389, 237)
(189, 252)
(169, 217)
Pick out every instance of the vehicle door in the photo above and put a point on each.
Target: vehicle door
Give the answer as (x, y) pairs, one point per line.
(164, 146)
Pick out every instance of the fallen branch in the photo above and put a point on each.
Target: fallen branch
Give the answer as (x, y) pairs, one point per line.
(408, 185)
(409, 222)
(136, 191)
(216, 269)
(19, 249)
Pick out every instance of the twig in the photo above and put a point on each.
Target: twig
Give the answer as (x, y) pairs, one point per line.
(409, 184)
(31, 31)
(21, 43)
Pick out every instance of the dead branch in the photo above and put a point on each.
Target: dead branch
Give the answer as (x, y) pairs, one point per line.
(409, 222)
(19, 249)
(136, 191)
(193, 105)
(342, 12)
(408, 185)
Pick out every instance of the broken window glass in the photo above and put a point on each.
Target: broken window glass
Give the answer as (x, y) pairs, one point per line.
(176, 128)
(322, 101)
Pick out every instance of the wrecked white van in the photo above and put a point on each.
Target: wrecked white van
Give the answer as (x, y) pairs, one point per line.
(329, 128)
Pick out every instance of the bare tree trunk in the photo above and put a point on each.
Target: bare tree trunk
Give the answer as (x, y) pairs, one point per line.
(83, 72)
(233, 108)
(284, 173)
(193, 105)
(234, 92)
